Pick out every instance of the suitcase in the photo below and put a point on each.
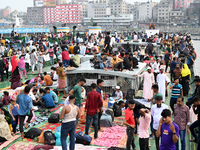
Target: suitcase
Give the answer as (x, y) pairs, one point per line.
(54, 118)
(82, 138)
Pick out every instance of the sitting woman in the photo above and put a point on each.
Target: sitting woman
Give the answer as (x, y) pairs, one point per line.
(5, 133)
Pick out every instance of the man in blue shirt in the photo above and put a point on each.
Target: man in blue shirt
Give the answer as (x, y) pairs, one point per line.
(190, 61)
(25, 109)
(53, 94)
(47, 100)
(177, 90)
(172, 67)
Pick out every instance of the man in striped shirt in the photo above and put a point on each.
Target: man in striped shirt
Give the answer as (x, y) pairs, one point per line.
(177, 90)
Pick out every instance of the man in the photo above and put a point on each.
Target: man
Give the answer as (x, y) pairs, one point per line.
(76, 59)
(144, 129)
(76, 91)
(177, 90)
(126, 63)
(76, 48)
(148, 82)
(27, 48)
(103, 62)
(118, 94)
(71, 49)
(182, 119)
(156, 111)
(162, 82)
(47, 79)
(167, 59)
(65, 58)
(129, 121)
(155, 68)
(107, 42)
(168, 131)
(156, 93)
(196, 124)
(36, 101)
(47, 100)
(150, 48)
(51, 54)
(99, 86)
(93, 103)
(69, 123)
(83, 49)
(2, 49)
(190, 61)
(172, 68)
(53, 94)
(117, 63)
(25, 109)
(2, 67)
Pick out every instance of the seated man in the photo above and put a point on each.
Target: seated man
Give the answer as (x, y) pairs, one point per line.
(117, 108)
(39, 94)
(53, 94)
(47, 100)
(117, 63)
(75, 60)
(118, 94)
(47, 79)
(127, 63)
(36, 101)
(103, 62)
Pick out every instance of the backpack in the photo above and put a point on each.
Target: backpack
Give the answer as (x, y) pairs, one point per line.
(32, 133)
(49, 138)
(130, 94)
(82, 138)
(96, 65)
(54, 118)
(117, 110)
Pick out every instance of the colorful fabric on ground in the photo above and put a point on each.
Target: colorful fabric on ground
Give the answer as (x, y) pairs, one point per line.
(119, 120)
(22, 145)
(5, 144)
(113, 136)
(57, 107)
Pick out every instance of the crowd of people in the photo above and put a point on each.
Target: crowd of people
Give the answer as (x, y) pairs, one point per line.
(176, 60)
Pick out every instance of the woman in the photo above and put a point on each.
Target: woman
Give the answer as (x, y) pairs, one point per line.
(33, 58)
(22, 68)
(5, 133)
(186, 75)
(15, 78)
(61, 78)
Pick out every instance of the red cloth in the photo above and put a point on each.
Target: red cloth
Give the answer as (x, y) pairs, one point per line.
(129, 116)
(14, 63)
(92, 102)
(65, 55)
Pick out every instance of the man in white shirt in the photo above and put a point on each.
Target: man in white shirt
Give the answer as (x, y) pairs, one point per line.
(83, 49)
(2, 49)
(118, 93)
(156, 111)
(155, 68)
(112, 41)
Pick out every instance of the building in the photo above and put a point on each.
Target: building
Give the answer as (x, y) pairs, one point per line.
(78, 1)
(38, 3)
(182, 4)
(49, 15)
(4, 13)
(98, 10)
(176, 16)
(118, 7)
(84, 10)
(60, 2)
(34, 15)
(49, 3)
(145, 11)
(129, 8)
(163, 8)
(112, 21)
(192, 14)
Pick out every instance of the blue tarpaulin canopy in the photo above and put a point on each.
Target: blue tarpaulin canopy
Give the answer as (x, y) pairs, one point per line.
(24, 30)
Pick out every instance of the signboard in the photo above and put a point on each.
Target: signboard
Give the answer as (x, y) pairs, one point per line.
(24, 30)
(49, 2)
(38, 3)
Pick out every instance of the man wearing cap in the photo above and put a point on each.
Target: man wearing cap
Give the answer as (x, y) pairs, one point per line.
(162, 82)
(40, 64)
(118, 93)
(148, 83)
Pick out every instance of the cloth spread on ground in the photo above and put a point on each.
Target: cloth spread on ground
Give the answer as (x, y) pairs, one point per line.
(22, 145)
(119, 120)
(5, 144)
(113, 136)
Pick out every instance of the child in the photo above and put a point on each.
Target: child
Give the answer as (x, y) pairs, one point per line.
(6, 99)
(129, 121)
(14, 114)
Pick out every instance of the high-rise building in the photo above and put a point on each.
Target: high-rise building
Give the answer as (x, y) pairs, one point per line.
(182, 4)
(60, 2)
(49, 15)
(164, 8)
(118, 7)
(34, 15)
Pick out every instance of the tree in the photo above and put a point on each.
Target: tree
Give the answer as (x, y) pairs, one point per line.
(115, 14)
(91, 22)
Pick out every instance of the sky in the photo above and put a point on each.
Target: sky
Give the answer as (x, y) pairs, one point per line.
(21, 5)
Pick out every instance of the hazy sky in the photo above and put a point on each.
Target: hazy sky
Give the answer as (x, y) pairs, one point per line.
(21, 5)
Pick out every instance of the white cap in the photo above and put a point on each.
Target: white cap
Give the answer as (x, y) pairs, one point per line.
(118, 87)
(148, 68)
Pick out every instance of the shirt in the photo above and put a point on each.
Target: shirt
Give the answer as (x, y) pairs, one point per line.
(59, 71)
(173, 65)
(181, 116)
(6, 63)
(51, 52)
(129, 116)
(71, 49)
(40, 61)
(54, 96)
(167, 142)
(77, 94)
(176, 91)
(156, 113)
(92, 102)
(47, 80)
(115, 61)
(6, 100)
(144, 126)
(119, 94)
(83, 49)
(155, 67)
(47, 98)
(25, 104)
